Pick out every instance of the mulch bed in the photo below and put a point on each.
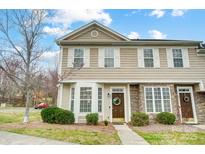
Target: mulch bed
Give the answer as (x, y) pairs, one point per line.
(98, 128)
(167, 128)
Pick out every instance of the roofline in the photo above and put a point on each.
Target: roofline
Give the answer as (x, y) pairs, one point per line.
(89, 24)
(131, 43)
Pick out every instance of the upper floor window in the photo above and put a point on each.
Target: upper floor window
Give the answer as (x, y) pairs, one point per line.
(78, 57)
(177, 57)
(148, 58)
(109, 57)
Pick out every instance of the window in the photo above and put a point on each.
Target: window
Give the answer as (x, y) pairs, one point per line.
(177, 57)
(99, 99)
(109, 57)
(72, 99)
(85, 99)
(157, 99)
(78, 57)
(148, 58)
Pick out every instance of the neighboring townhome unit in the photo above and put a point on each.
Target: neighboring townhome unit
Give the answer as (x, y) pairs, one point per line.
(105, 72)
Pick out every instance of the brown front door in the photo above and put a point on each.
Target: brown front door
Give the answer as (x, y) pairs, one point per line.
(186, 105)
(117, 105)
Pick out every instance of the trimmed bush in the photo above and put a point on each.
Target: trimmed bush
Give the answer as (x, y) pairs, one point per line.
(139, 119)
(48, 114)
(92, 118)
(166, 118)
(57, 115)
(106, 122)
(64, 117)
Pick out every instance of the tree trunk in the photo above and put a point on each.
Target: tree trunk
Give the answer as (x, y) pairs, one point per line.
(26, 114)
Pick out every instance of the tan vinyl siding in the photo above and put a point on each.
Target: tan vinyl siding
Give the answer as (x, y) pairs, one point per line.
(93, 57)
(85, 35)
(65, 97)
(130, 70)
(128, 57)
(65, 58)
(163, 57)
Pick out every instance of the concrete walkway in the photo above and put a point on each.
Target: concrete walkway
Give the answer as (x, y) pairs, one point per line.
(128, 137)
(200, 126)
(7, 138)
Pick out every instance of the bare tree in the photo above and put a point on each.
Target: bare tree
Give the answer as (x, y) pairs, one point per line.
(21, 32)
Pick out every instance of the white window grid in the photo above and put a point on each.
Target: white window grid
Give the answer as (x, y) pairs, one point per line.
(78, 58)
(177, 57)
(72, 99)
(148, 58)
(109, 57)
(151, 99)
(100, 99)
(85, 99)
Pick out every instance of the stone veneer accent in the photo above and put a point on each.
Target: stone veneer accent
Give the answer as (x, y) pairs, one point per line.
(200, 106)
(134, 98)
(138, 102)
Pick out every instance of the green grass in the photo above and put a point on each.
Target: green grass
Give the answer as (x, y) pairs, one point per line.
(174, 138)
(15, 117)
(74, 136)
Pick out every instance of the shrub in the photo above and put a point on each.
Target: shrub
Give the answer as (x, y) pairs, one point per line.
(166, 118)
(48, 114)
(106, 122)
(139, 119)
(92, 118)
(57, 115)
(64, 117)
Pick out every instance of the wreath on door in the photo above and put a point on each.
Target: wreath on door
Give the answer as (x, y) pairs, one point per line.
(116, 101)
(186, 99)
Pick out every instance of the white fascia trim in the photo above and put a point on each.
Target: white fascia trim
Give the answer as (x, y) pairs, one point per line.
(92, 23)
(134, 46)
(133, 81)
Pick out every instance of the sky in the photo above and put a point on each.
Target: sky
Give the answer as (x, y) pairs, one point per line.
(157, 24)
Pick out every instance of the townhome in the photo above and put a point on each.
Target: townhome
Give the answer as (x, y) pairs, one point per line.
(105, 72)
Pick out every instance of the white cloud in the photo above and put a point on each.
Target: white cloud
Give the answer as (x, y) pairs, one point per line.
(134, 35)
(55, 31)
(157, 34)
(68, 17)
(62, 20)
(178, 12)
(157, 13)
(49, 55)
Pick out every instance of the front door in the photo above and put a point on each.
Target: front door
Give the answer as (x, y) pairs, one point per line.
(186, 106)
(118, 105)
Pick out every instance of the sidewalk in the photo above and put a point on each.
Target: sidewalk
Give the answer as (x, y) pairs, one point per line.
(128, 137)
(7, 138)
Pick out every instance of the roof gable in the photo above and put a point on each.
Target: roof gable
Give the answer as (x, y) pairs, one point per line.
(85, 33)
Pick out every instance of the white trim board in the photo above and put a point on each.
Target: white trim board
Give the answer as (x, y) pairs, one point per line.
(135, 81)
(192, 102)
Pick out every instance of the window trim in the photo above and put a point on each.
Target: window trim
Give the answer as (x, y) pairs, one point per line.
(78, 57)
(154, 99)
(86, 99)
(100, 99)
(109, 57)
(178, 58)
(72, 99)
(149, 57)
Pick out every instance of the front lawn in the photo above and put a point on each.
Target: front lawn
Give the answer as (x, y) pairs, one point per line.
(74, 136)
(171, 134)
(11, 120)
(16, 117)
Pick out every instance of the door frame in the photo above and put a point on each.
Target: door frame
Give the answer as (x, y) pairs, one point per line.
(189, 89)
(111, 91)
